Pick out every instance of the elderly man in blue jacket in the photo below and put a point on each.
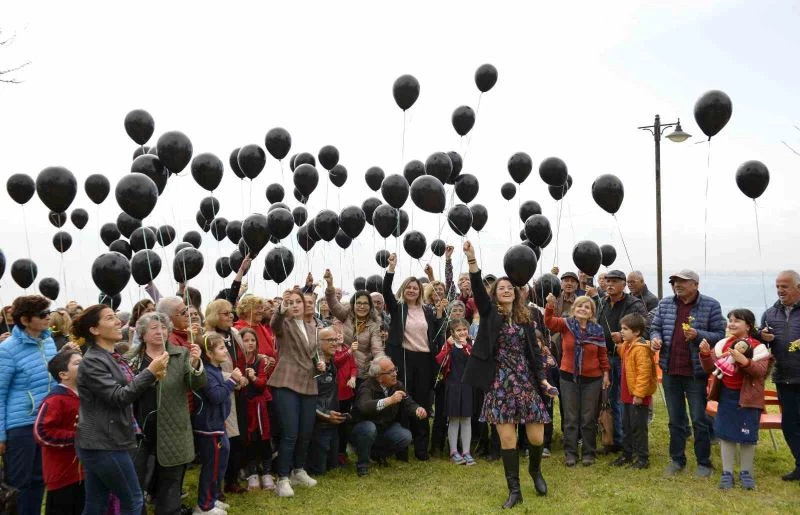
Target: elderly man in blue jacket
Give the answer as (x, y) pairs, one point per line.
(680, 323)
(24, 383)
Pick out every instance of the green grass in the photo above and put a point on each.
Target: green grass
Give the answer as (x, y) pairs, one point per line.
(437, 486)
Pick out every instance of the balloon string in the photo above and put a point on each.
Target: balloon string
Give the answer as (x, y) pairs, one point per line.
(760, 256)
(469, 138)
(624, 246)
(705, 214)
(560, 209)
(403, 143)
(569, 217)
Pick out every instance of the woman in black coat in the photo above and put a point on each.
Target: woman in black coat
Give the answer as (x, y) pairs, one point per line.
(506, 363)
(415, 335)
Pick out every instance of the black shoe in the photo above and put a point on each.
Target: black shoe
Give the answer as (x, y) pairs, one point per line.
(535, 468)
(362, 470)
(640, 464)
(493, 456)
(511, 467)
(792, 476)
(621, 460)
(402, 455)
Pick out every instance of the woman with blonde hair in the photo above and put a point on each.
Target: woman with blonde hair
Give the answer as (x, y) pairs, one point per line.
(60, 325)
(584, 373)
(250, 311)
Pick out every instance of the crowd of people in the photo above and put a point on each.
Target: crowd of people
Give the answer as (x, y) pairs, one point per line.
(106, 410)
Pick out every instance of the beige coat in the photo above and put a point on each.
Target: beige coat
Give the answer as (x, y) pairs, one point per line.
(370, 345)
(295, 368)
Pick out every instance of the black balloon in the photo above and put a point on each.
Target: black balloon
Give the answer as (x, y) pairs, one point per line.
(395, 190)
(279, 263)
(369, 206)
(175, 150)
(427, 193)
(187, 265)
(111, 272)
(328, 157)
(244, 250)
(193, 238)
(137, 195)
(142, 238)
(438, 247)
(234, 231)
(537, 229)
(204, 224)
(529, 208)
(280, 223)
(304, 239)
(374, 177)
(275, 193)
(712, 111)
(304, 158)
(207, 170)
(291, 162)
(2, 264)
(374, 284)
(458, 163)
(405, 91)
(97, 188)
(553, 171)
(546, 284)
(62, 241)
(209, 208)
(343, 240)
(609, 255)
(56, 187)
(382, 258)
(182, 245)
(414, 244)
(519, 263)
(352, 221)
(413, 169)
(127, 224)
(255, 232)
(752, 177)
(480, 215)
(460, 219)
(24, 272)
(109, 233)
(145, 266)
(278, 205)
(79, 218)
(338, 175)
(223, 266)
(236, 259)
(306, 179)
(57, 219)
(151, 166)
(326, 223)
(439, 165)
(467, 187)
(359, 283)
(218, 228)
(166, 235)
(385, 219)
(233, 161)
(122, 247)
(300, 215)
(608, 192)
(312, 231)
(520, 166)
(142, 150)
(485, 77)
(587, 256)
(21, 188)
(49, 288)
(463, 120)
(111, 301)
(278, 142)
(535, 248)
(251, 159)
(139, 125)
(402, 224)
(508, 190)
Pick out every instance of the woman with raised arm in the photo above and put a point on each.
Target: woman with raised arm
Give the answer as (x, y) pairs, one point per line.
(415, 336)
(506, 363)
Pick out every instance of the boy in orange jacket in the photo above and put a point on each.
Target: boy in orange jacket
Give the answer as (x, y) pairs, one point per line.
(638, 385)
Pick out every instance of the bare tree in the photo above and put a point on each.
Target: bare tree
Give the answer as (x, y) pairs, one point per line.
(7, 75)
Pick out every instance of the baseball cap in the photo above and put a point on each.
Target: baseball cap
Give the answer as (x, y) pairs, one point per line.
(490, 277)
(687, 274)
(571, 275)
(616, 274)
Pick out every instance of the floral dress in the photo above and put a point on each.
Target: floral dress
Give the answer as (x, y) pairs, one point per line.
(513, 397)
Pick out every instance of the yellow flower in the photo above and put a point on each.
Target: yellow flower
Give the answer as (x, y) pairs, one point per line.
(794, 346)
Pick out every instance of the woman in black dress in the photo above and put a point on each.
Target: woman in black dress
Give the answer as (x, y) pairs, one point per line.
(506, 363)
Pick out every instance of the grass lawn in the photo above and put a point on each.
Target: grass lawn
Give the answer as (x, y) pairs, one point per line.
(437, 486)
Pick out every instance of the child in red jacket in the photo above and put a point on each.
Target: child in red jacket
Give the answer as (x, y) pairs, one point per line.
(453, 360)
(346, 373)
(54, 431)
(259, 447)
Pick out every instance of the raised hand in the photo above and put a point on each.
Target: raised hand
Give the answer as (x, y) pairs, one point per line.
(448, 251)
(469, 250)
(328, 277)
(551, 300)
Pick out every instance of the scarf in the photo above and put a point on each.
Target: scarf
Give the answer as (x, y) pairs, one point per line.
(128, 373)
(592, 335)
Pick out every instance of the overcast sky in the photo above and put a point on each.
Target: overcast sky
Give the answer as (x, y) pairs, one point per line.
(575, 80)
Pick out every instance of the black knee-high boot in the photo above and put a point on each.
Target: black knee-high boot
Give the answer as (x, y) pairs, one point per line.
(535, 468)
(511, 466)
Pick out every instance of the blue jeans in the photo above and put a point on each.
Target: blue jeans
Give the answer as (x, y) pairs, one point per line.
(677, 391)
(789, 397)
(366, 438)
(296, 413)
(614, 398)
(110, 472)
(324, 448)
(23, 467)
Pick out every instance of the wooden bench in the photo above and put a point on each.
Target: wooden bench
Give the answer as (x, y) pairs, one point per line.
(768, 421)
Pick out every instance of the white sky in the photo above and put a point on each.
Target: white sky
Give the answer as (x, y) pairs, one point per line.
(575, 80)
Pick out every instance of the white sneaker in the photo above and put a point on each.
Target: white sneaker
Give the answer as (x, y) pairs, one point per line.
(301, 477)
(253, 483)
(222, 506)
(284, 488)
(267, 483)
(212, 511)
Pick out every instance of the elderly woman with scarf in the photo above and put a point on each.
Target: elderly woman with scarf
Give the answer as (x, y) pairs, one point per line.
(584, 373)
(506, 363)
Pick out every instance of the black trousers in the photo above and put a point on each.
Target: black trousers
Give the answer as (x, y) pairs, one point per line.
(65, 501)
(634, 428)
(416, 371)
(168, 498)
(439, 431)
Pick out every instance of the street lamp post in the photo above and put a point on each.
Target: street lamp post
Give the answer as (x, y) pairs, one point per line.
(677, 136)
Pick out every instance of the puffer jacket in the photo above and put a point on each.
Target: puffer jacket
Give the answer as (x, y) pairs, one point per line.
(640, 368)
(786, 330)
(24, 379)
(708, 323)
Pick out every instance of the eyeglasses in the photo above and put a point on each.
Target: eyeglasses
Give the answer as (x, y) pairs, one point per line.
(42, 314)
(334, 339)
(362, 304)
(392, 371)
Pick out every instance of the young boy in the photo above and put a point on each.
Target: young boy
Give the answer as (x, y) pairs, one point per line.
(54, 431)
(638, 385)
(209, 425)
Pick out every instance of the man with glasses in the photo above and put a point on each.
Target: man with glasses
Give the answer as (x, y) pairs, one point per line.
(24, 382)
(376, 411)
